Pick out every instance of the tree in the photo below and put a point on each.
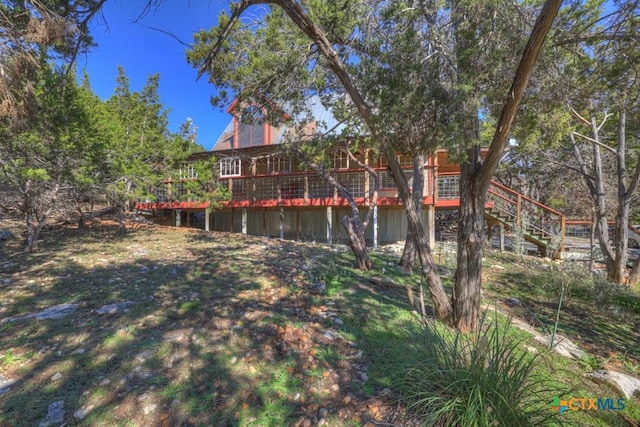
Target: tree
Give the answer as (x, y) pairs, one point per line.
(592, 116)
(39, 163)
(31, 30)
(476, 173)
(137, 155)
(204, 186)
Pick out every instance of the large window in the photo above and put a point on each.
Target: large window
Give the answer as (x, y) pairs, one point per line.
(251, 127)
(230, 167)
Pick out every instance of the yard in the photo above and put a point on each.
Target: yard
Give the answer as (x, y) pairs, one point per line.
(174, 326)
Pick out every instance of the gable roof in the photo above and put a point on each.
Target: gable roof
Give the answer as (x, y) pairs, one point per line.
(322, 120)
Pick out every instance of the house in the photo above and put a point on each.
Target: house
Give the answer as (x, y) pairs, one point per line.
(273, 195)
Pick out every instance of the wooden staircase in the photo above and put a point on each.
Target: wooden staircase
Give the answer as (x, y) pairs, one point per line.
(539, 224)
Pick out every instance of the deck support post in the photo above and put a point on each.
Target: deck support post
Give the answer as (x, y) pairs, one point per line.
(281, 221)
(501, 236)
(431, 225)
(207, 219)
(178, 218)
(244, 220)
(329, 224)
(264, 222)
(375, 226)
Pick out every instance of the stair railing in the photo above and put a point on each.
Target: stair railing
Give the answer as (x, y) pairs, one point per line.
(542, 221)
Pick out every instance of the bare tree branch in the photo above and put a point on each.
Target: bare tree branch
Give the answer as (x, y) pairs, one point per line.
(606, 147)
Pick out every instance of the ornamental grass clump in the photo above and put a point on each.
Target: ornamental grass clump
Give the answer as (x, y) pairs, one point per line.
(483, 379)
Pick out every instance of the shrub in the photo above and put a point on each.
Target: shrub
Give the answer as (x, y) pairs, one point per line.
(483, 379)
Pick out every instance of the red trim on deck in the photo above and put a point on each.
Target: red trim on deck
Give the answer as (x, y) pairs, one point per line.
(299, 202)
(448, 203)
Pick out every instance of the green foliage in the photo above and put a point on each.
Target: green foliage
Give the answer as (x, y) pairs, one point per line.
(590, 363)
(479, 380)
(204, 187)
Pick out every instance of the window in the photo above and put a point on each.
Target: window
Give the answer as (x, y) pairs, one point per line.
(230, 167)
(280, 164)
(404, 160)
(251, 127)
(187, 172)
(341, 160)
(449, 187)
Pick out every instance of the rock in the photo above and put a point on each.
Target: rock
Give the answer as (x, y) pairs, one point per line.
(115, 307)
(6, 235)
(303, 422)
(497, 267)
(149, 408)
(318, 287)
(562, 345)
(628, 385)
(82, 413)
(55, 414)
(323, 412)
(330, 335)
(513, 302)
(5, 385)
(56, 376)
(55, 312)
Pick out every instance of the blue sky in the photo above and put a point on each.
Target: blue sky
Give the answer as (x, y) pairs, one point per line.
(143, 51)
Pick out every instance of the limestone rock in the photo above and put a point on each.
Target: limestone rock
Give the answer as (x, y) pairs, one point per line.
(115, 307)
(562, 345)
(82, 413)
(55, 414)
(5, 385)
(55, 312)
(628, 385)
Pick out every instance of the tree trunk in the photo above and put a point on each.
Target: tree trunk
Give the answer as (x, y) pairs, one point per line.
(619, 275)
(624, 202)
(468, 276)
(592, 240)
(81, 222)
(634, 275)
(408, 258)
(441, 302)
(122, 227)
(354, 227)
(34, 227)
(602, 225)
(32, 233)
(357, 242)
